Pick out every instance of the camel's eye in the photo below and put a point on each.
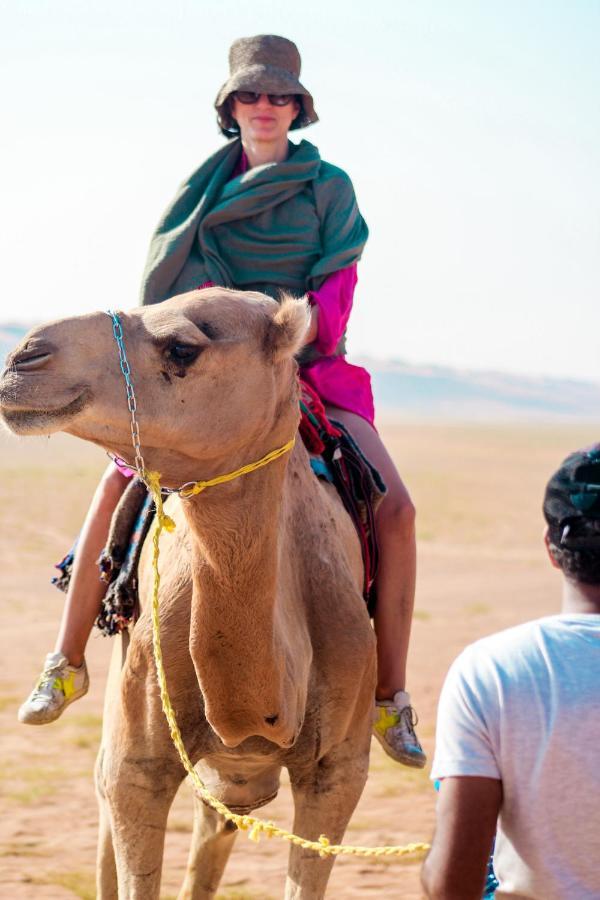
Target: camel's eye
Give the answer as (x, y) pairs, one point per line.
(183, 354)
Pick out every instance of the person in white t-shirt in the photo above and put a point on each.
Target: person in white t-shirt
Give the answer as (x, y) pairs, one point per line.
(518, 733)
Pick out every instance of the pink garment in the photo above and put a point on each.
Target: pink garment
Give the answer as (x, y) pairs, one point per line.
(242, 165)
(123, 468)
(337, 382)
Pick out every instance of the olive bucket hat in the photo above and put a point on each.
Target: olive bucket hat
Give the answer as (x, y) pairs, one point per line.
(265, 64)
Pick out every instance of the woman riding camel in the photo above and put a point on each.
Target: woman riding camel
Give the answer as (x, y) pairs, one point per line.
(265, 214)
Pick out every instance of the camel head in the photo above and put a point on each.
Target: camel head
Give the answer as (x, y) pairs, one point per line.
(213, 373)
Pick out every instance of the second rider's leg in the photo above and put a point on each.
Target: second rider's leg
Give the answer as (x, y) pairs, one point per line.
(86, 590)
(64, 677)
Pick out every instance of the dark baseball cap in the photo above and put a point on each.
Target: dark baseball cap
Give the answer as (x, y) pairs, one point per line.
(572, 500)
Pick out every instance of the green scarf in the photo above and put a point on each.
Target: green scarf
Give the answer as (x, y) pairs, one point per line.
(282, 225)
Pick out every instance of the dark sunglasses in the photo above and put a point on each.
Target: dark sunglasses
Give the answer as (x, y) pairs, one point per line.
(249, 97)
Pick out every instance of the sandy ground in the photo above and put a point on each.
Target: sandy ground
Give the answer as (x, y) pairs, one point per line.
(481, 567)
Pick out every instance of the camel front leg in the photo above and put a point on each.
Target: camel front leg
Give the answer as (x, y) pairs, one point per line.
(325, 797)
(106, 869)
(139, 793)
(212, 841)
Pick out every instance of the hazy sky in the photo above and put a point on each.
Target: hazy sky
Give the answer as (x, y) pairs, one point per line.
(471, 131)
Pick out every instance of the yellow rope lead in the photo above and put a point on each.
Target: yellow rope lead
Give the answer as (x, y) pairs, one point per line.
(255, 827)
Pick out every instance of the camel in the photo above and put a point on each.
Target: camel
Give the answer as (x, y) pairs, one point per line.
(268, 649)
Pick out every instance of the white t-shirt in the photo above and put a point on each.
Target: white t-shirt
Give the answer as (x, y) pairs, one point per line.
(523, 706)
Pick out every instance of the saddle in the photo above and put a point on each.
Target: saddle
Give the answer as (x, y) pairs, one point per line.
(334, 457)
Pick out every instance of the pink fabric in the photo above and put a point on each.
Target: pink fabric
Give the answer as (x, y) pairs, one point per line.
(123, 468)
(242, 165)
(334, 299)
(337, 382)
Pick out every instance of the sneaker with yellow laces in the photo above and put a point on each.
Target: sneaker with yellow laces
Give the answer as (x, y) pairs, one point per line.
(58, 686)
(394, 728)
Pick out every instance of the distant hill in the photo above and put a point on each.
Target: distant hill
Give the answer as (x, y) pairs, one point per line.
(435, 392)
(445, 393)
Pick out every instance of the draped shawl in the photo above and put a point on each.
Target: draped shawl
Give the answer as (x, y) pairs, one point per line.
(281, 225)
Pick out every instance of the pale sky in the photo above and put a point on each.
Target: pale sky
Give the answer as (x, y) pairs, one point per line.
(471, 131)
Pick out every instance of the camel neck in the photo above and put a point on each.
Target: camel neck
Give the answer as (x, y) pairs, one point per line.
(244, 649)
(235, 529)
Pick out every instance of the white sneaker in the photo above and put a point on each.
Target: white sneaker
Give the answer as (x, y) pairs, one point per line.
(394, 728)
(58, 685)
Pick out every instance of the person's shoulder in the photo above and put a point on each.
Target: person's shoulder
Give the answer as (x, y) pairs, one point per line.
(509, 646)
(329, 170)
(497, 645)
(560, 623)
(334, 176)
(514, 632)
(328, 174)
(333, 187)
(335, 199)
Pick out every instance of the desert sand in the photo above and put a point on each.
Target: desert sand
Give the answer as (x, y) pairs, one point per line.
(482, 567)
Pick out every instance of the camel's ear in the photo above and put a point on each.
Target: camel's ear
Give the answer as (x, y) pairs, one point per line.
(287, 329)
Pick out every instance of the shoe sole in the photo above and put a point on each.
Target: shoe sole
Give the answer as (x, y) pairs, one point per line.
(52, 715)
(404, 759)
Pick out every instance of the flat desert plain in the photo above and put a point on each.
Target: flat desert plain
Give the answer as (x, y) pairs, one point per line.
(482, 567)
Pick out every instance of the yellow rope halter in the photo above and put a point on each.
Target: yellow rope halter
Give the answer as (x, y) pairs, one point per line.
(196, 487)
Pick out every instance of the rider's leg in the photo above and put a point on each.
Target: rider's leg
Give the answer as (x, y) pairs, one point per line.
(395, 582)
(397, 559)
(64, 677)
(85, 588)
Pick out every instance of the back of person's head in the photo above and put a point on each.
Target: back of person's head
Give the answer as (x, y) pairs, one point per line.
(572, 511)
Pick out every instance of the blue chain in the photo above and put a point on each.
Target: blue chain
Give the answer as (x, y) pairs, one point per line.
(139, 465)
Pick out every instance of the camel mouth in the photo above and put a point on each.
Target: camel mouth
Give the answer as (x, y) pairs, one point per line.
(256, 804)
(32, 361)
(22, 420)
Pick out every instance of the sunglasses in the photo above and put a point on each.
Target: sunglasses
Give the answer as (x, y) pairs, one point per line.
(249, 97)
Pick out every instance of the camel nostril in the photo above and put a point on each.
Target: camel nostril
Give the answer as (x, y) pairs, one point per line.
(271, 720)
